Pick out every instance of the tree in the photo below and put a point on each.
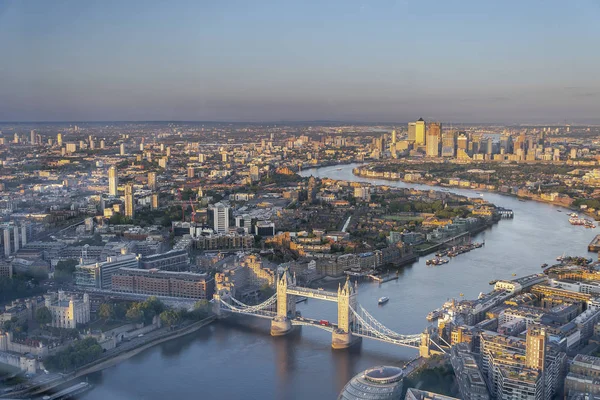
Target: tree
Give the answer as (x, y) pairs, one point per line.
(169, 317)
(106, 311)
(43, 316)
(120, 311)
(135, 314)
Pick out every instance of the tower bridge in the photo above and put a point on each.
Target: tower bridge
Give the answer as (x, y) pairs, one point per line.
(353, 321)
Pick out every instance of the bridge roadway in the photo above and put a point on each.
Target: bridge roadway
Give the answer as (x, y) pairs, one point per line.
(301, 321)
(312, 293)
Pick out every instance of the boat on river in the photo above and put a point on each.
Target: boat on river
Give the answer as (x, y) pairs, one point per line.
(435, 314)
(383, 300)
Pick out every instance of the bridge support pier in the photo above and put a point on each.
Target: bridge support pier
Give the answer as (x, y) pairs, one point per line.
(280, 326)
(342, 340)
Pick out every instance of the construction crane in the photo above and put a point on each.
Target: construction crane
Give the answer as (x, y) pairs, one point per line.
(193, 211)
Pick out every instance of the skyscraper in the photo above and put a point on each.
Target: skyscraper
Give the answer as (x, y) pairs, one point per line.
(154, 201)
(412, 131)
(122, 149)
(220, 218)
(394, 136)
(113, 181)
(129, 206)
(32, 137)
(449, 144)
(59, 139)
(434, 134)
(420, 127)
(190, 172)
(152, 180)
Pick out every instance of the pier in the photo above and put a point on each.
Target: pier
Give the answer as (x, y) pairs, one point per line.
(594, 244)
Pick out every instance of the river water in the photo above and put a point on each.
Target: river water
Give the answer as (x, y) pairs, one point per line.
(238, 358)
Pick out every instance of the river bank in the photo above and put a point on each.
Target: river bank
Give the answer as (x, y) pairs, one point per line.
(395, 177)
(112, 360)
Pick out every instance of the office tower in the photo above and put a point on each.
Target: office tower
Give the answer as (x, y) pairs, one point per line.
(122, 149)
(535, 347)
(190, 172)
(162, 162)
(23, 235)
(221, 218)
(449, 144)
(142, 146)
(154, 201)
(16, 238)
(412, 132)
(113, 181)
(489, 149)
(32, 137)
(224, 157)
(434, 134)
(129, 206)
(152, 180)
(92, 144)
(394, 136)
(16, 138)
(102, 144)
(506, 143)
(169, 151)
(81, 144)
(162, 147)
(201, 157)
(476, 143)
(7, 242)
(420, 127)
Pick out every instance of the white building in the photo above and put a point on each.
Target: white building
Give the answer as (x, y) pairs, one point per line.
(221, 218)
(67, 313)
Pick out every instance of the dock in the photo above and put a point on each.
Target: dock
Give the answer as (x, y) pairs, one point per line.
(594, 244)
(383, 279)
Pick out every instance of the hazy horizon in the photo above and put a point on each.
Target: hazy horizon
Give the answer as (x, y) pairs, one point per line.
(279, 61)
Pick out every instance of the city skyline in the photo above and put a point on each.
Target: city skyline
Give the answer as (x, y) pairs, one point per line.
(511, 63)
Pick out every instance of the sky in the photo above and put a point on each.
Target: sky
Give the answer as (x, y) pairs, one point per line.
(372, 60)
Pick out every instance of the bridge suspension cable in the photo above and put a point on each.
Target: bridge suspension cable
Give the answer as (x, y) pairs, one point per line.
(265, 309)
(369, 327)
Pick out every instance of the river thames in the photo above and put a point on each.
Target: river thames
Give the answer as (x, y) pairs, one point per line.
(238, 358)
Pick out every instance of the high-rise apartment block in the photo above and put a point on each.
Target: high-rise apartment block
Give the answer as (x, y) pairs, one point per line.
(113, 181)
(152, 180)
(129, 201)
(221, 218)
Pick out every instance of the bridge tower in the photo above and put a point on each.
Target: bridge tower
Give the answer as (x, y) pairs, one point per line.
(341, 338)
(286, 306)
(216, 304)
